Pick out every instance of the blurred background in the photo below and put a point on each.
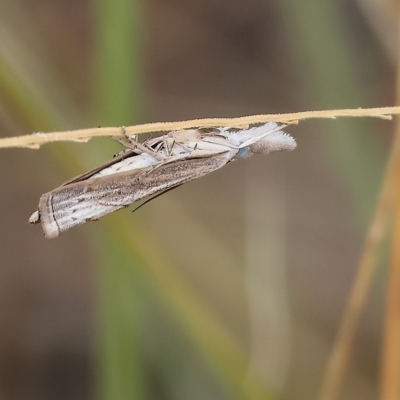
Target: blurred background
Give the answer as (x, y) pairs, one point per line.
(232, 286)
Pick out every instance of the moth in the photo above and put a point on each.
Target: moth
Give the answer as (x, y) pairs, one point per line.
(152, 168)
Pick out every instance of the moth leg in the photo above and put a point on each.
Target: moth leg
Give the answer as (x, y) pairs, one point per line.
(120, 153)
(188, 148)
(128, 146)
(131, 139)
(158, 147)
(133, 145)
(184, 146)
(168, 145)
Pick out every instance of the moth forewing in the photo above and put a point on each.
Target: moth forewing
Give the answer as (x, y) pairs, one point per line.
(115, 160)
(80, 202)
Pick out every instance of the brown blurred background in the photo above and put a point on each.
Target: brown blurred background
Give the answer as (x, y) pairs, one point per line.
(256, 259)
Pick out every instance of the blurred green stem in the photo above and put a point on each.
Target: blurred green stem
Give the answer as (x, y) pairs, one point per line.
(117, 64)
(117, 94)
(328, 67)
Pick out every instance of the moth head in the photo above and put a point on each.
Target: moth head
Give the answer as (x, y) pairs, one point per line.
(276, 141)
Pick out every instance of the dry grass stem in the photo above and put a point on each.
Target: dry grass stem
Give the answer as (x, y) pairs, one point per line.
(344, 343)
(342, 349)
(35, 140)
(390, 367)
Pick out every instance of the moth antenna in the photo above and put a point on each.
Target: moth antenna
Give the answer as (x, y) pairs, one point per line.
(154, 197)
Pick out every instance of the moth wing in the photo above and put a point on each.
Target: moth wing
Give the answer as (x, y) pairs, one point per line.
(125, 154)
(83, 201)
(35, 217)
